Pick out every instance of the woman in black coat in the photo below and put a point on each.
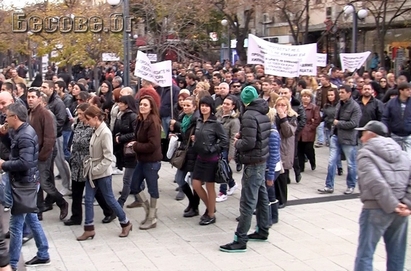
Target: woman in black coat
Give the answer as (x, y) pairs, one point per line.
(124, 128)
(184, 127)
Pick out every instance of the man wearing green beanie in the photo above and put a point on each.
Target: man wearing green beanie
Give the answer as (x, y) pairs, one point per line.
(252, 145)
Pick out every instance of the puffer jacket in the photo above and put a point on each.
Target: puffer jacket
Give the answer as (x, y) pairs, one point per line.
(184, 138)
(124, 128)
(24, 152)
(4, 142)
(274, 156)
(329, 115)
(348, 115)
(287, 127)
(231, 124)
(254, 134)
(210, 137)
(384, 174)
(301, 118)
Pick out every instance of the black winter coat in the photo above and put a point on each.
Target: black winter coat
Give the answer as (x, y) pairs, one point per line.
(58, 108)
(371, 111)
(254, 133)
(24, 152)
(124, 127)
(184, 138)
(301, 119)
(329, 115)
(210, 137)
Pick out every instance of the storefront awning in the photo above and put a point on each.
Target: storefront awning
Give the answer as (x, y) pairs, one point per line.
(403, 44)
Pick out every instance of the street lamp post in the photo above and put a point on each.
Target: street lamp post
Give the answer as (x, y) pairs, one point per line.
(225, 23)
(361, 14)
(126, 41)
(29, 66)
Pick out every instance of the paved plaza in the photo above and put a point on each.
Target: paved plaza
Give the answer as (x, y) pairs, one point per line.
(315, 232)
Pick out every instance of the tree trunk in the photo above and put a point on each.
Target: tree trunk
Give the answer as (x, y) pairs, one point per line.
(241, 51)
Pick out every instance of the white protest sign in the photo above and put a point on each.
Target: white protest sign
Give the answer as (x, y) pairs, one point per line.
(353, 61)
(305, 54)
(143, 67)
(110, 57)
(278, 66)
(152, 57)
(321, 60)
(162, 73)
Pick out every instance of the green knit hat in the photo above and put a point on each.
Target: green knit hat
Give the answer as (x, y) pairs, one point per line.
(248, 94)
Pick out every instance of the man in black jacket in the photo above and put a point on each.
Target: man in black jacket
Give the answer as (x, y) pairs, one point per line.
(297, 107)
(252, 145)
(57, 107)
(22, 168)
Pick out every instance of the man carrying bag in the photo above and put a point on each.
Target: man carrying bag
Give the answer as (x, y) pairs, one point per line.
(23, 172)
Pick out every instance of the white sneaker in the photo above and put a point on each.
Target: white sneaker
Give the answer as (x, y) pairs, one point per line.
(232, 190)
(6, 209)
(221, 197)
(117, 172)
(349, 191)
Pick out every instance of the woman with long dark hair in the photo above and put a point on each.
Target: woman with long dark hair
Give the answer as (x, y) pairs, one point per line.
(147, 146)
(99, 171)
(106, 91)
(80, 149)
(124, 128)
(210, 140)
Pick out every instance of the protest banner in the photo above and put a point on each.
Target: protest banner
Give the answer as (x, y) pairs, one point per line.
(162, 73)
(305, 54)
(321, 60)
(353, 61)
(143, 67)
(278, 66)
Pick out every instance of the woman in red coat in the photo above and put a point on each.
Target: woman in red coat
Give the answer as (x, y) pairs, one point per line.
(307, 136)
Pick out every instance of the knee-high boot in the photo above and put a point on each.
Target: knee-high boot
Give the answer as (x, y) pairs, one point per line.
(142, 198)
(151, 221)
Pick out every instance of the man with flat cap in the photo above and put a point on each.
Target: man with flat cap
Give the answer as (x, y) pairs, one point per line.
(384, 179)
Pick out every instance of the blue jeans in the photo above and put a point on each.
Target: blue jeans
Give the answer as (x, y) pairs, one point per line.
(66, 139)
(127, 177)
(16, 236)
(253, 196)
(320, 131)
(180, 177)
(104, 184)
(165, 122)
(148, 172)
(327, 133)
(375, 223)
(404, 142)
(350, 154)
(5, 195)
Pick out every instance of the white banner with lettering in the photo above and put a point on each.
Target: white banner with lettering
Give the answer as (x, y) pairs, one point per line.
(353, 61)
(305, 54)
(159, 73)
(280, 66)
(321, 60)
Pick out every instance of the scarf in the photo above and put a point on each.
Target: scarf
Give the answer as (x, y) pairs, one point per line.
(185, 123)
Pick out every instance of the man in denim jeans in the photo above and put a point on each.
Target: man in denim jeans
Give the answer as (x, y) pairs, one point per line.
(22, 168)
(384, 178)
(252, 145)
(343, 139)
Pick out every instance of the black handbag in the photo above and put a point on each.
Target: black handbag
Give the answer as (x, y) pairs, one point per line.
(223, 173)
(24, 197)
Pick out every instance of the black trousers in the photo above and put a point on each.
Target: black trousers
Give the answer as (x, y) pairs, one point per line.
(306, 149)
(296, 164)
(281, 189)
(77, 197)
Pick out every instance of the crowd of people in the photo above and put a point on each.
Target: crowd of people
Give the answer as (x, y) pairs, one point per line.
(267, 126)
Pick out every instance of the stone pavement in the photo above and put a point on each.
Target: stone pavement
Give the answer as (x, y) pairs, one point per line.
(316, 236)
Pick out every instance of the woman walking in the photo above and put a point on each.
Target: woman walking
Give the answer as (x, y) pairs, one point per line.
(123, 130)
(147, 146)
(210, 140)
(80, 149)
(99, 170)
(184, 127)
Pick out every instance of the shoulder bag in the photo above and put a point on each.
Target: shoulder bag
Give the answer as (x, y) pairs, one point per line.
(24, 197)
(223, 173)
(179, 156)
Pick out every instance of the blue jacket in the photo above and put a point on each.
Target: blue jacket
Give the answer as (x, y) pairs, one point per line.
(24, 152)
(166, 103)
(273, 154)
(396, 122)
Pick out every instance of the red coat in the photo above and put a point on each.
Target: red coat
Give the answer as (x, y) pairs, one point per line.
(312, 112)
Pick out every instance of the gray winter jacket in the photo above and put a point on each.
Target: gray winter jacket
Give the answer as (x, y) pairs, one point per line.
(348, 115)
(384, 174)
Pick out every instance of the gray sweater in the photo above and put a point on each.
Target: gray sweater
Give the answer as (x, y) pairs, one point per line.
(384, 175)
